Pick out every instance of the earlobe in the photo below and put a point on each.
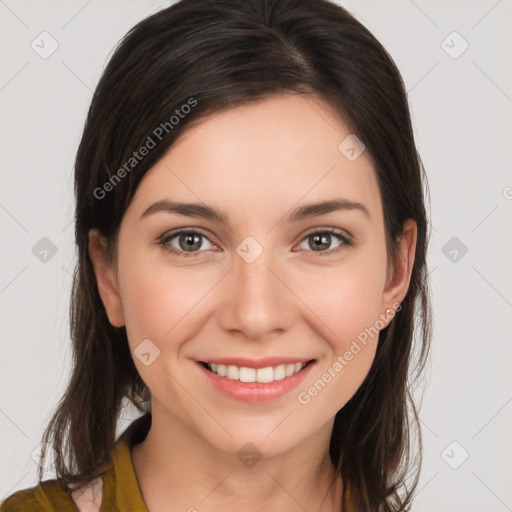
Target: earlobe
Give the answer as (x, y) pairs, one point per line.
(400, 273)
(105, 278)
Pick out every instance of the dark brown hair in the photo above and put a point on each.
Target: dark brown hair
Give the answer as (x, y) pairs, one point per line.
(215, 55)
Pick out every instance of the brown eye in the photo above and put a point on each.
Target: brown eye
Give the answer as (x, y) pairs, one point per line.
(190, 241)
(321, 240)
(185, 243)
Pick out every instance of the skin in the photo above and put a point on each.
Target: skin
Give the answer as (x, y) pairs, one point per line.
(256, 163)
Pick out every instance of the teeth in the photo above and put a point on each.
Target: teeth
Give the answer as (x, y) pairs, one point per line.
(232, 372)
(246, 375)
(262, 375)
(265, 375)
(279, 372)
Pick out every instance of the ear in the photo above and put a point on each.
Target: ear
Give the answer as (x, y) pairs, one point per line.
(106, 279)
(400, 270)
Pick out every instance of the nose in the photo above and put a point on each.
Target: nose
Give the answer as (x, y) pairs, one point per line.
(258, 301)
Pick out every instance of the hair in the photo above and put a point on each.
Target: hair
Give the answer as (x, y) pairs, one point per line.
(213, 56)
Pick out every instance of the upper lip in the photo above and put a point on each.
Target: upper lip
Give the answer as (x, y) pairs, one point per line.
(256, 363)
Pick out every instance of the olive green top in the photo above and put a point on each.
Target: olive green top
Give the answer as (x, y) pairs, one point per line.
(120, 490)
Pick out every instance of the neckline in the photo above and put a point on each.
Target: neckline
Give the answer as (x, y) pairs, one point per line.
(122, 481)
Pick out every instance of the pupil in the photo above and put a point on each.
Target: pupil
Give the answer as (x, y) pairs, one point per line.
(321, 239)
(189, 240)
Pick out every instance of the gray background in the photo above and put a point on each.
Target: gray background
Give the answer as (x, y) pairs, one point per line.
(461, 107)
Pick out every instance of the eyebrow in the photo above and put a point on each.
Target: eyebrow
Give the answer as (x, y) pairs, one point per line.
(303, 212)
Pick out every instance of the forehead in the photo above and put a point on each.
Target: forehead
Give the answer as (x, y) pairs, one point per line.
(262, 158)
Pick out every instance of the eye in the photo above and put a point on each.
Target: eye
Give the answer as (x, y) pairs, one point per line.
(186, 244)
(320, 238)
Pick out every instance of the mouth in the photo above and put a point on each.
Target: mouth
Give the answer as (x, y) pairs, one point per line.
(250, 384)
(262, 375)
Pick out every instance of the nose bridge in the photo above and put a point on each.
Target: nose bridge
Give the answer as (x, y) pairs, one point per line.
(259, 301)
(255, 281)
(252, 271)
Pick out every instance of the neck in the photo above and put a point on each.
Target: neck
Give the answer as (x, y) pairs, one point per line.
(175, 466)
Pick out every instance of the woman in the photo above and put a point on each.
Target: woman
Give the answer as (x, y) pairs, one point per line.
(252, 238)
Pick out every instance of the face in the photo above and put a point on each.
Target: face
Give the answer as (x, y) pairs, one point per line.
(262, 282)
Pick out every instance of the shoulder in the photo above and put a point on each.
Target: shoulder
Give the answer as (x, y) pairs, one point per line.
(21, 500)
(115, 482)
(48, 496)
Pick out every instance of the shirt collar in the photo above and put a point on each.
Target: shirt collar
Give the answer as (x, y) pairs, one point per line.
(120, 483)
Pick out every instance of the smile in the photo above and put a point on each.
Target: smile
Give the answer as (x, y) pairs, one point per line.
(255, 384)
(262, 375)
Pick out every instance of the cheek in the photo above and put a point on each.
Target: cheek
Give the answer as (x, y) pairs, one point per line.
(154, 303)
(161, 301)
(158, 305)
(348, 301)
(350, 312)
(347, 298)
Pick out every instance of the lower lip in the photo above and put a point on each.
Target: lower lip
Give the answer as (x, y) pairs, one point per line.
(256, 391)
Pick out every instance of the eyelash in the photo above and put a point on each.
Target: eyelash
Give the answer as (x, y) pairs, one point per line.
(340, 235)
